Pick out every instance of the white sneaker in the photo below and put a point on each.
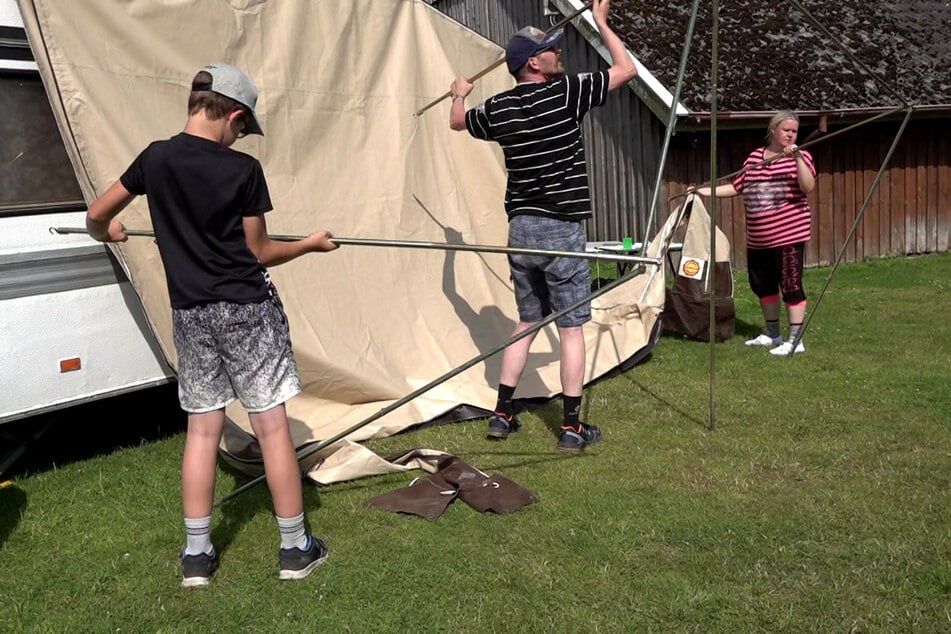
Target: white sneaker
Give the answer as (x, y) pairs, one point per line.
(786, 347)
(764, 340)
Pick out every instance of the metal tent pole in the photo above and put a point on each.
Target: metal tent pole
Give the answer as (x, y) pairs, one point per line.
(713, 211)
(498, 62)
(855, 224)
(671, 124)
(416, 244)
(435, 382)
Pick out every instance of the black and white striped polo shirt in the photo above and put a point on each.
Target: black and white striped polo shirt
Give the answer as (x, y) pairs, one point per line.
(538, 126)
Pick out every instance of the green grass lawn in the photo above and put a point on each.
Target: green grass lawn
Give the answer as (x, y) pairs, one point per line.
(820, 502)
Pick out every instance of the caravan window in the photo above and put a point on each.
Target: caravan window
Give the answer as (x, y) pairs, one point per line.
(36, 175)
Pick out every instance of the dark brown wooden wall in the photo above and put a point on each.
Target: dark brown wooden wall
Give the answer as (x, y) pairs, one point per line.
(909, 213)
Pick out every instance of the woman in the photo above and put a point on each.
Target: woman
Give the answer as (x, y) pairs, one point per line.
(774, 184)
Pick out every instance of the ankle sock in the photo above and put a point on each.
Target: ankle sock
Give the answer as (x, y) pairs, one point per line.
(293, 534)
(198, 536)
(572, 407)
(772, 329)
(794, 331)
(504, 405)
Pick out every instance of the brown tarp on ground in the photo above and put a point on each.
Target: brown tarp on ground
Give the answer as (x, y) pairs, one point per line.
(339, 83)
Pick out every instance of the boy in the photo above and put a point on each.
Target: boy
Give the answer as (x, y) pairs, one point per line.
(207, 204)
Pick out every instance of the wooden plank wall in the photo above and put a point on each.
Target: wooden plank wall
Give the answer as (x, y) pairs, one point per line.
(909, 213)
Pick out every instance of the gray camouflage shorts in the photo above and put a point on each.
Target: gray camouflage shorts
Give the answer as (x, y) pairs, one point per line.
(228, 350)
(548, 284)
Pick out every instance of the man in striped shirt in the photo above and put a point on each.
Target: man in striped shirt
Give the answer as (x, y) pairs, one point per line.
(538, 125)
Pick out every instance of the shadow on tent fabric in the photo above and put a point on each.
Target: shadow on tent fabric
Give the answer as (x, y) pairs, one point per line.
(240, 450)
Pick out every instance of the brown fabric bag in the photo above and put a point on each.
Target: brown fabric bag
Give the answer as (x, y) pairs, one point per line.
(495, 493)
(687, 307)
(426, 497)
(484, 493)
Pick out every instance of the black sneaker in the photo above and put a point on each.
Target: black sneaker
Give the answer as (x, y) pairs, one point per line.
(297, 563)
(501, 426)
(572, 439)
(197, 569)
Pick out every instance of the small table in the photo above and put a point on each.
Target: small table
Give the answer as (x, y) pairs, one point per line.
(617, 248)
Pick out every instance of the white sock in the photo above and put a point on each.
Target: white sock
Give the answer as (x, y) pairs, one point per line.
(198, 536)
(293, 534)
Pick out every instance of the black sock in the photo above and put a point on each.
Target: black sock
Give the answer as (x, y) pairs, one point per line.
(572, 405)
(772, 328)
(504, 405)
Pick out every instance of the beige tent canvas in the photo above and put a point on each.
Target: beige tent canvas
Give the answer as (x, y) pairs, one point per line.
(339, 83)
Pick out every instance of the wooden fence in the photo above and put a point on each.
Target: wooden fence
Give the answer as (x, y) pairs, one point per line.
(909, 213)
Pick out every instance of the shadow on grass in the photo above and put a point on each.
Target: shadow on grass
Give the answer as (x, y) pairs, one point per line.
(529, 458)
(12, 506)
(664, 401)
(73, 434)
(239, 510)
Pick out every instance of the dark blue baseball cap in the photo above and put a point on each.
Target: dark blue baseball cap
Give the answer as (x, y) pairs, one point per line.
(528, 42)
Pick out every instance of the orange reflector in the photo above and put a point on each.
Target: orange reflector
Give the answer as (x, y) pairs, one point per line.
(70, 365)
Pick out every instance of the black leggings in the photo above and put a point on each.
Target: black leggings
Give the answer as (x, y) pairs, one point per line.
(775, 270)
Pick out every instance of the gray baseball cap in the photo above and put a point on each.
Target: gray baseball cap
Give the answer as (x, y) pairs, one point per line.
(232, 82)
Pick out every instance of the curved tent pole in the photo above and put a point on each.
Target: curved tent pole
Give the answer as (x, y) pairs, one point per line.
(308, 451)
(671, 122)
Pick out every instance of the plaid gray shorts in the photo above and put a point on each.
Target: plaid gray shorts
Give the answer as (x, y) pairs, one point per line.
(547, 284)
(228, 350)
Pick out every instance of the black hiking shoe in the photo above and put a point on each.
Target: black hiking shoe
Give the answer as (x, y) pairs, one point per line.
(197, 569)
(501, 426)
(576, 439)
(297, 563)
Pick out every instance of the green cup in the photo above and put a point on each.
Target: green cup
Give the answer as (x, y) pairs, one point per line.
(628, 244)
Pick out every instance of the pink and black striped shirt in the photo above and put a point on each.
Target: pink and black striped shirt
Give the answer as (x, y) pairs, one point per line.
(777, 210)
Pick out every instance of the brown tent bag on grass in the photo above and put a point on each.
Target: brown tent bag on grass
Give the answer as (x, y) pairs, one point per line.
(687, 304)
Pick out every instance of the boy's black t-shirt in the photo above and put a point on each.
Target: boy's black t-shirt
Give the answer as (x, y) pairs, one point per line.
(198, 193)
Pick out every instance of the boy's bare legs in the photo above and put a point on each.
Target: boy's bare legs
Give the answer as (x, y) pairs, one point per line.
(281, 468)
(199, 468)
(300, 552)
(200, 462)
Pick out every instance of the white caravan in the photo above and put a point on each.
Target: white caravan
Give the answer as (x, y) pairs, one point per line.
(71, 327)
